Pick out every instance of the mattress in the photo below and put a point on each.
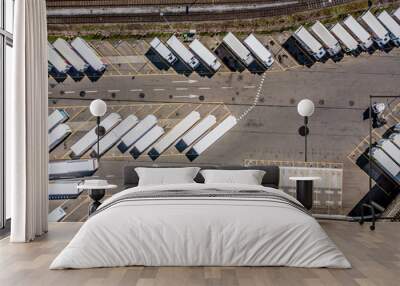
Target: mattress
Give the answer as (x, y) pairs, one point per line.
(201, 225)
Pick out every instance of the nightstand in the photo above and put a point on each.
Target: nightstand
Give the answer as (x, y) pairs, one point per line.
(304, 190)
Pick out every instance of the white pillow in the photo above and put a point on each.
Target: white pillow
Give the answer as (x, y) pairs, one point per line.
(247, 177)
(166, 176)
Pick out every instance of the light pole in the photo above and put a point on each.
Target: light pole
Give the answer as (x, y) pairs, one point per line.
(305, 108)
(98, 108)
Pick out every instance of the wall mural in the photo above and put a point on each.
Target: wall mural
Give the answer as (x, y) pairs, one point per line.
(221, 99)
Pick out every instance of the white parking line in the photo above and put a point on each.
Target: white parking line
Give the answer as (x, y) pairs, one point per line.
(50, 92)
(249, 86)
(158, 89)
(181, 88)
(70, 91)
(136, 90)
(113, 90)
(226, 87)
(204, 88)
(91, 91)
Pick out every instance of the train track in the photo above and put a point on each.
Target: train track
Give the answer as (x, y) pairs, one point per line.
(198, 16)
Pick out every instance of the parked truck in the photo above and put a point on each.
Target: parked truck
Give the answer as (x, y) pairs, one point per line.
(78, 65)
(386, 163)
(174, 134)
(183, 52)
(146, 141)
(259, 50)
(90, 138)
(89, 55)
(210, 138)
(391, 149)
(391, 25)
(330, 43)
(112, 137)
(64, 189)
(163, 51)
(205, 55)
(309, 43)
(58, 116)
(72, 169)
(238, 49)
(137, 132)
(59, 67)
(362, 35)
(196, 132)
(349, 44)
(380, 35)
(58, 135)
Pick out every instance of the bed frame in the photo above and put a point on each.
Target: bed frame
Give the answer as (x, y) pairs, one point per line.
(271, 177)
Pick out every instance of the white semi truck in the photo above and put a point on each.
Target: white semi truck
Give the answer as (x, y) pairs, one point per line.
(238, 49)
(59, 67)
(361, 34)
(72, 169)
(330, 43)
(89, 55)
(391, 25)
(380, 35)
(309, 43)
(183, 52)
(146, 141)
(259, 50)
(348, 42)
(58, 116)
(205, 55)
(58, 135)
(163, 51)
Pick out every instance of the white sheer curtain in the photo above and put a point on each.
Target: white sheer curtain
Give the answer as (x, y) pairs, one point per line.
(26, 123)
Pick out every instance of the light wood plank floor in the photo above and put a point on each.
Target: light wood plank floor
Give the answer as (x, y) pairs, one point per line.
(375, 257)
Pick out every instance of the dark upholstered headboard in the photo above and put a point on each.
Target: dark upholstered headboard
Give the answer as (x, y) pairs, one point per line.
(271, 177)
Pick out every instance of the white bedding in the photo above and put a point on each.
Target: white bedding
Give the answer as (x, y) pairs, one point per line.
(200, 231)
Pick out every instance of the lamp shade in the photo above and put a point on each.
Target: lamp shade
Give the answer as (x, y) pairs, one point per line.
(98, 107)
(305, 107)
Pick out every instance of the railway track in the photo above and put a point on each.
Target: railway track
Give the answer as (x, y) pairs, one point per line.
(198, 16)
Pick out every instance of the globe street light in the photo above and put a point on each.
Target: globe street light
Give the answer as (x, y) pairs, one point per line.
(98, 108)
(305, 108)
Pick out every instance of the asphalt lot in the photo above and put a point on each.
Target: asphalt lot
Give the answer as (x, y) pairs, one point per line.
(339, 90)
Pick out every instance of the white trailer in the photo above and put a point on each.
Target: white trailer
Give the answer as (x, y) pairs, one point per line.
(364, 38)
(77, 63)
(59, 67)
(72, 169)
(238, 49)
(64, 189)
(137, 132)
(183, 52)
(381, 36)
(331, 44)
(195, 133)
(112, 137)
(58, 116)
(386, 162)
(259, 50)
(349, 43)
(391, 149)
(146, 141)
(392, 26)
(174, 134)
(309, 43)
(90, 138)
(88, 54)
(205, 55)
(163, 51)
(395, 137)
(396, 14)
(58, 135)
(209, 139)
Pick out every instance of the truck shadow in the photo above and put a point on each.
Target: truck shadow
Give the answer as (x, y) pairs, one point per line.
(229, 60)
(298, 53)
(156, 60)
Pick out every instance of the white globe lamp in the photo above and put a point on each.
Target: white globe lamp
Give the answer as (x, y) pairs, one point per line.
(98, 108)
(305, 108)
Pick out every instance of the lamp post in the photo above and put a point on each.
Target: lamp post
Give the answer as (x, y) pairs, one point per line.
(98, 108)
(305, 108)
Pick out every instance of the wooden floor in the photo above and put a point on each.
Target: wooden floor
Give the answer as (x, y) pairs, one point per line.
(375, 257)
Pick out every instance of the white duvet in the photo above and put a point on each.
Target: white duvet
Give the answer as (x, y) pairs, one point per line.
(200, 231)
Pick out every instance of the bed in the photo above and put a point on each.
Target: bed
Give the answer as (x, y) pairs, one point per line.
(201, 224)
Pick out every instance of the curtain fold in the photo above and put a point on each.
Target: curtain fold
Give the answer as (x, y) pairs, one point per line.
(26, 123)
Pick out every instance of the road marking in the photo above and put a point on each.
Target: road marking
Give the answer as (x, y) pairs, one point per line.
(158, 89)
(69, 92)
(185, 81)
(91, 91)
(226, 87)
(113, 90)
(249, 86)
(50, 92)
(136, 90)
(186, 96)
(181, 88)
(204, 88)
